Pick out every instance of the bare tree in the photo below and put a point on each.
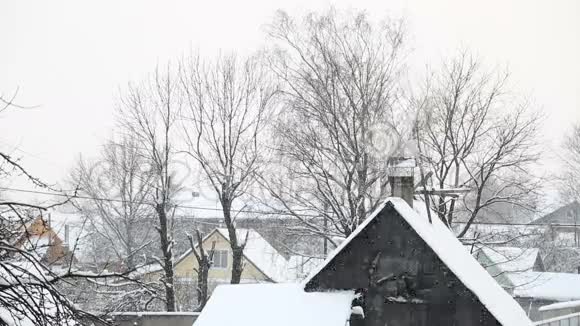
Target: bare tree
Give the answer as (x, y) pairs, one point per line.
(341, 119)
(569, 181)
(204, 260)
(479, 138)
(227, 103)
(119, 185)
(148, 113)
(29, 287)
(11, 166)
(23, 289)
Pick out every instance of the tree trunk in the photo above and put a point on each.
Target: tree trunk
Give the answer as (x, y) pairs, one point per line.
(129, 246)
(202, 286)
(362, 192)
(167, 257)
(237, 249)
(237, 268)
(204, 261)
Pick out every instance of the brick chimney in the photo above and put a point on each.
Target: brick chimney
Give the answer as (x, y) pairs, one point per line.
(401, 171)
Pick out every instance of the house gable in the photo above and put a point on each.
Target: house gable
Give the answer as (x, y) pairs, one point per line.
(412, 272)
(539, 264)
(493, 269)
(184, 267)
(505, 264)
(394, 263)
(39, 237)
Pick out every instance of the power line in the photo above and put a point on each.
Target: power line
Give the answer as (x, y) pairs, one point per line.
(250, 211)
(130, 202)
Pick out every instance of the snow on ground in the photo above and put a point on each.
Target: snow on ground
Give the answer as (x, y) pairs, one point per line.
(453, 254)
(275, 304)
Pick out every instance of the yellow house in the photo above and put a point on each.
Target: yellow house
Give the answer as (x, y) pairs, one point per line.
(261, 262)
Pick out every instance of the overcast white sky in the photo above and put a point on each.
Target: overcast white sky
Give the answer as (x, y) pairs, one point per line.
(71, 57)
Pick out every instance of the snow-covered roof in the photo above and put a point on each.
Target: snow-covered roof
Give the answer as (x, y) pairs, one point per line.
(257, 251)
(561, 305)
(453, 254)
(547, 286)
(567, 214)
(261, 253)
(509, 260)
(275, 304)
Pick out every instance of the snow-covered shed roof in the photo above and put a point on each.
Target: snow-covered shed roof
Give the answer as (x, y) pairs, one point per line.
(257, 251)
(275, 304)
(547, 286)
(506, 261)
(512, 259)
(453, 254)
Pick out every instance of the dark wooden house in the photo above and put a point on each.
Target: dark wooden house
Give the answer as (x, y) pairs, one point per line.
(398, 268)
(409, 271)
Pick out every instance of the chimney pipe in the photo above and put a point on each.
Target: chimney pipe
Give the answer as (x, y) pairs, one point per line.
(401, 173)
(66, 234)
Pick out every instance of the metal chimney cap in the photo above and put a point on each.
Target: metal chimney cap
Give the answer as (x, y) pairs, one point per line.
(401, 166)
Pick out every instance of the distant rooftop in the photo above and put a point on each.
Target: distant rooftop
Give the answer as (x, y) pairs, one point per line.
(548, 286)
(567, 214)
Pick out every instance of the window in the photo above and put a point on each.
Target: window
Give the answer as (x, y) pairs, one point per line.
(428, 265)
(220, 259)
